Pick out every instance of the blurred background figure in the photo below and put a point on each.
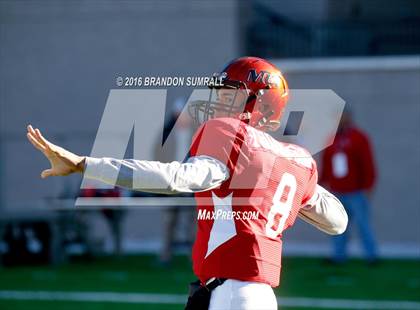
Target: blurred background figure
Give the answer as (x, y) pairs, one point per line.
(175, 149)
(348, 170)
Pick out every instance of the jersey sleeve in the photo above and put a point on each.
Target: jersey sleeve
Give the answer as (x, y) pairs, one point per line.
(222, 139)
(199, 173)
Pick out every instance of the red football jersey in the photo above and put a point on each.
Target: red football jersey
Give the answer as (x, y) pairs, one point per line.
(240, 223)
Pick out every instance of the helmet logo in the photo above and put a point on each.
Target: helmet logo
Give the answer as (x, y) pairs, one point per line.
(264, 77)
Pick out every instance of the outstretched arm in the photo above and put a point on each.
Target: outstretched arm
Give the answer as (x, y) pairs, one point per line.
(199, 173)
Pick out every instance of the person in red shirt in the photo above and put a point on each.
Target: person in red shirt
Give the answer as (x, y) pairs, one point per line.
(348, 170)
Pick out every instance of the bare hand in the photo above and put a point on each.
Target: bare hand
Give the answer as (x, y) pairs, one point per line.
(62, 161)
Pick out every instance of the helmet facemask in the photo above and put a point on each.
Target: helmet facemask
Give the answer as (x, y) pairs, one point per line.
(222, 102)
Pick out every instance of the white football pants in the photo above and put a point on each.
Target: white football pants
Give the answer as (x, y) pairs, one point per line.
(242, 295)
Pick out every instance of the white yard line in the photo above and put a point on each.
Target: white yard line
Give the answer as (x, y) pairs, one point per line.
(180, 299)
(95, 297)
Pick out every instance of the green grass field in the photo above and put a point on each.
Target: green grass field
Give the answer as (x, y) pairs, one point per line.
(391, 280)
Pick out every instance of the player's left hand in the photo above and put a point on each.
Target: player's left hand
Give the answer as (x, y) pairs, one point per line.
(62, 161)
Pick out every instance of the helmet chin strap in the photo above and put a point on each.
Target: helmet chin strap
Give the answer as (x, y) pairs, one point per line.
(263, 122)
(246, 115)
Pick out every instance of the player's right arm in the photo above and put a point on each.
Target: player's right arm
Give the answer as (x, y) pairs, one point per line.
(199, 173)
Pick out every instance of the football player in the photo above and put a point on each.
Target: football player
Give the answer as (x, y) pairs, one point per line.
(249, 187)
